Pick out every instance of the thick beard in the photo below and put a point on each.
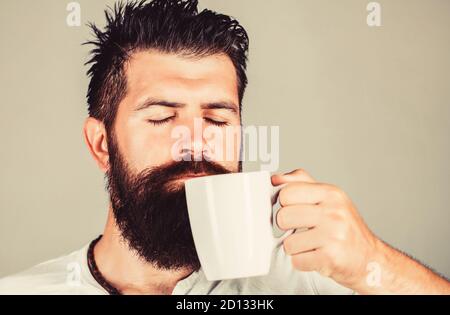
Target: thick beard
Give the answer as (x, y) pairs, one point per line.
(151, 211)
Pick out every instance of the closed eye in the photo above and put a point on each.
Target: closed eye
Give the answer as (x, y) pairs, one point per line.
(216, 122)
(161, 121)
(168, 119)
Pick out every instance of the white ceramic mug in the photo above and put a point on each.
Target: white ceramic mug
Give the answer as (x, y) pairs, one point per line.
(232, 222)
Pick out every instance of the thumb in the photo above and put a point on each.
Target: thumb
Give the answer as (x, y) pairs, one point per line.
(298, 175)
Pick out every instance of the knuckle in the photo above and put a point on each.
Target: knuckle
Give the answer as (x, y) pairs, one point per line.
(340, 235)
(337, 214)
(330, 254)
(335, 259)
(335, 192)
(340, 213)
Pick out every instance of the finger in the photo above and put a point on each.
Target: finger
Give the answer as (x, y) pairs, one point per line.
(300, 242)
(302, 193)
(298, 216)
(308, 261)
(298, 175)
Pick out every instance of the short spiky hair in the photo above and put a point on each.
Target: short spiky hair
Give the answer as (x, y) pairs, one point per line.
(169, 26)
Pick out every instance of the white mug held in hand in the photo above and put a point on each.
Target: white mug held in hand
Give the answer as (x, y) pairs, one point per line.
(232, 222)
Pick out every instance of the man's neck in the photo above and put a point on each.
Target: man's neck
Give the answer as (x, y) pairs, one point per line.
(127, 272)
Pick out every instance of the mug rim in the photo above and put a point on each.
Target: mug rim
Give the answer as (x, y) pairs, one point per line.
(223, 175)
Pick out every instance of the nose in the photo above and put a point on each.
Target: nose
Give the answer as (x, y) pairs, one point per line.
(194, 146)
(192, 154)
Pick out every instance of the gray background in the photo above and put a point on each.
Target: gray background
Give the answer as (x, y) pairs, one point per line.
(364, 108)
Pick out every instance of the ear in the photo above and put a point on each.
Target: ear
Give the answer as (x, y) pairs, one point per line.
(95, 137)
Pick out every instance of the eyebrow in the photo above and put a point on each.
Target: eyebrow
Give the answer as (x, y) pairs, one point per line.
(210, 105)
(220, 105)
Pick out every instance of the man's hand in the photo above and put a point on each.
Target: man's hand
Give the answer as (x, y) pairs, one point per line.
(337, 242)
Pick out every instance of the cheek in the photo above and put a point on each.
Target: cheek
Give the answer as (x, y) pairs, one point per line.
(146, 147)
(231, 144)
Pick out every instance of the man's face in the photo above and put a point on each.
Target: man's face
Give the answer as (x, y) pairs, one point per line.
(186, 89)
(145, 182)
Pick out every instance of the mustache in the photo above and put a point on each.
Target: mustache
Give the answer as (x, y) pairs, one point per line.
(174, 170)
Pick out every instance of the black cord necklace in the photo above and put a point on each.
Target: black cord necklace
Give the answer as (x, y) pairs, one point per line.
(96, 273)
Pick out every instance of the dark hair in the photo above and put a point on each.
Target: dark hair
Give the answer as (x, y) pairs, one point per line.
(169, 26)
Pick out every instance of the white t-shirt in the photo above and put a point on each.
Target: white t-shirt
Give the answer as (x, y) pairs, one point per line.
(70, 274)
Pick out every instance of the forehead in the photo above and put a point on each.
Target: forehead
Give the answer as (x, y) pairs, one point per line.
(179, 78)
